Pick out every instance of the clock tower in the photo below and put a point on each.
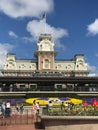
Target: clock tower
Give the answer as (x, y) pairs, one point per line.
(45, 53)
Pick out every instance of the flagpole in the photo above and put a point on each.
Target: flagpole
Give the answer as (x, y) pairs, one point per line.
(45, 24)
(44, 21)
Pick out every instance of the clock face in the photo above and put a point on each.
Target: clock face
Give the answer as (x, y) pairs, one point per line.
(46, 46)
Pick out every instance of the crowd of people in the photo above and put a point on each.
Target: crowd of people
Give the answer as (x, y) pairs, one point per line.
(6, 109)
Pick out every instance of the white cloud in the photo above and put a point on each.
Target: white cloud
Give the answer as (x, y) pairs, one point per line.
(4, 49)
(35, 28)
(59, 45)
(25, 39)
(25, 8)
(33, 8)
(12, 34)
(93, 28)
(92, 74)
(28, 39)
(93, 70)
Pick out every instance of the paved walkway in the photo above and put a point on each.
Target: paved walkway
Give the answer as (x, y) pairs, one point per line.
(33, 126)
(18, 127)
(23, 122)
(16, 120)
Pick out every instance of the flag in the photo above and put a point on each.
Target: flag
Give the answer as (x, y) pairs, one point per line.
(44, 16)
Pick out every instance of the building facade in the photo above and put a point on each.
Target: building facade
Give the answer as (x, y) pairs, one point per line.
(45, 62)
(45, 72)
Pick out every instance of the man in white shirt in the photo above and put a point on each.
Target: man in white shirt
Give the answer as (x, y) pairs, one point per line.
(8, 108)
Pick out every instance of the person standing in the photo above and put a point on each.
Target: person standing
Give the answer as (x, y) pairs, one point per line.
(62, 106)
(21, 108)
(3, 109)
(34, 110)
(8, 109)
(50, 105)
(38, 107)
(17, 108)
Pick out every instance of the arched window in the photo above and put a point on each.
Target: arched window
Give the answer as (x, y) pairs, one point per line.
(46, 64)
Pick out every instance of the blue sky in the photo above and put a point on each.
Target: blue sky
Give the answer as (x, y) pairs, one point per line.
(72, 23)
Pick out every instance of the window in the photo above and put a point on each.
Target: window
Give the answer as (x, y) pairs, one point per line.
(46, 64)
(58, 87)
(33, 87)
(22, 87)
